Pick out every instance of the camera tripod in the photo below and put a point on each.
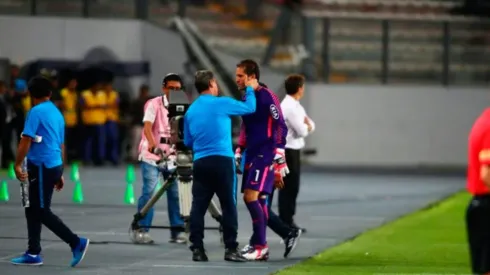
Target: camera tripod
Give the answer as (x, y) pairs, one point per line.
(183, 177)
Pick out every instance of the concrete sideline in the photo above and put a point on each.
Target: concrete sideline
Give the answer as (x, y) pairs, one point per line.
(334, 208)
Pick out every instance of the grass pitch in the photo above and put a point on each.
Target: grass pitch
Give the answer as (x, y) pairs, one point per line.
(430, 241)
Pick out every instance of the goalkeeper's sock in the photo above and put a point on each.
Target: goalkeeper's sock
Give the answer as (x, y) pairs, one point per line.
(258, 222)
(265, 208)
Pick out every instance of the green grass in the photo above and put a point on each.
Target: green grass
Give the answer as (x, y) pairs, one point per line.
(432, 240)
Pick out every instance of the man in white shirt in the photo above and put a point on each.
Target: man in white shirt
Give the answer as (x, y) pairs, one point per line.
(299, 126)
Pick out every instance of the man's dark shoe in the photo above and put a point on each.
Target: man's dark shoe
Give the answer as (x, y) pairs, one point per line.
(291, 241)
(199, 255)
(234, 255)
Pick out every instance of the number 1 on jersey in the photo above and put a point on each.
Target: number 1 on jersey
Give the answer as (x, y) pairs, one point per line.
(257, 174)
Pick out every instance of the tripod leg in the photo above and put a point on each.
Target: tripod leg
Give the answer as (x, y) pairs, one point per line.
(134, 227)
(157, 195)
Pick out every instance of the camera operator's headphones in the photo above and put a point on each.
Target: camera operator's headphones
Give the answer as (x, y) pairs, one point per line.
(172, 77)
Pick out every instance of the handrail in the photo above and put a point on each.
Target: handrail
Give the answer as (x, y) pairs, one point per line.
(225, 80)
(380, 16)
(219, 67)
(196, 49)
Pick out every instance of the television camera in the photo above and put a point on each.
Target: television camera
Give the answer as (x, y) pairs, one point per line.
(179, 164)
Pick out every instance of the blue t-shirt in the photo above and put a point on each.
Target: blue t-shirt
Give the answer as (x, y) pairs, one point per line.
(45, 120)
(207, 123)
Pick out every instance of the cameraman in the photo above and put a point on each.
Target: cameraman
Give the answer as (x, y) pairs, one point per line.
(156, 134)
(207, 130)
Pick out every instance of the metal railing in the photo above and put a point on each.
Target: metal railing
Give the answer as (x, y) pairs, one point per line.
(312, 19)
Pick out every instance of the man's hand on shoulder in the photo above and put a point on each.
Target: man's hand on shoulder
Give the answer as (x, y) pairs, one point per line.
(252, 82)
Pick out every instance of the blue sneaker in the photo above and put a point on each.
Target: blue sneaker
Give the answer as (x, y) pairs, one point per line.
(79, 251)
(28, 259)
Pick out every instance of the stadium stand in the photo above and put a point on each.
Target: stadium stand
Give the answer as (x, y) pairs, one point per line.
(415, 35)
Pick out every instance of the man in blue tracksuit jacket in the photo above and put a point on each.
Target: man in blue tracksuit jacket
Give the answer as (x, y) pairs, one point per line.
(207, 131)
(42, 143)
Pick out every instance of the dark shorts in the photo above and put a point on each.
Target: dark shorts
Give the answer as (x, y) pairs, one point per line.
(258, 174)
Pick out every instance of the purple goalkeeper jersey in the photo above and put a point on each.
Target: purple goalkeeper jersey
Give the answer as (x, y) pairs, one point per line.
(265, 130)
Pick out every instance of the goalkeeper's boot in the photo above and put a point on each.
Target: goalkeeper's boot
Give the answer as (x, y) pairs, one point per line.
(257, 253)
(246, 249)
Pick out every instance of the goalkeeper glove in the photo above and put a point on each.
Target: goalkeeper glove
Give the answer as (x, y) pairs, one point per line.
(280, 166)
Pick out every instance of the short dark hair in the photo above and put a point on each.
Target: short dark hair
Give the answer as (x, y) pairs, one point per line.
(40, 86)
(250, 67)
(293, 83)
(202, 80)
(171, 77)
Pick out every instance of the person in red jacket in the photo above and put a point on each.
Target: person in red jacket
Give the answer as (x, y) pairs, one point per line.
(478, 184)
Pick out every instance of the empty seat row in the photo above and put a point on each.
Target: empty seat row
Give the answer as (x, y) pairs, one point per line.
(394, 3)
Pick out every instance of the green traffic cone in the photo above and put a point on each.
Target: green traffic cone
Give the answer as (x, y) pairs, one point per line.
(129, 194)
(11, 171)
(4, 191)
(130, 175)
(75, 173)
(78, 192)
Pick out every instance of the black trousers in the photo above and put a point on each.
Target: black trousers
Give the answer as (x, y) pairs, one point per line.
(275, 223)
(289, 194)
(41, 187)
(478, 229)
(214, 175)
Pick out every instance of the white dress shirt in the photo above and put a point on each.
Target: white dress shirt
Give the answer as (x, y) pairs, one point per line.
(294, 115)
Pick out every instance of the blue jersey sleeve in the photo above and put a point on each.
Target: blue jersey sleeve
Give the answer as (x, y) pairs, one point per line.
(31, 124)
(187, 134)
(234, 107)
(280, 128)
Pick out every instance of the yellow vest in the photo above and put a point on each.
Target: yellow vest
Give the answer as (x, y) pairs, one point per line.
(112, 110)
(26, 103)
(96, 102)
(69, 107)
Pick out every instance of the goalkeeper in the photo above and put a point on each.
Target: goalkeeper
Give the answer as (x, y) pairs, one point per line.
(264, 136)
